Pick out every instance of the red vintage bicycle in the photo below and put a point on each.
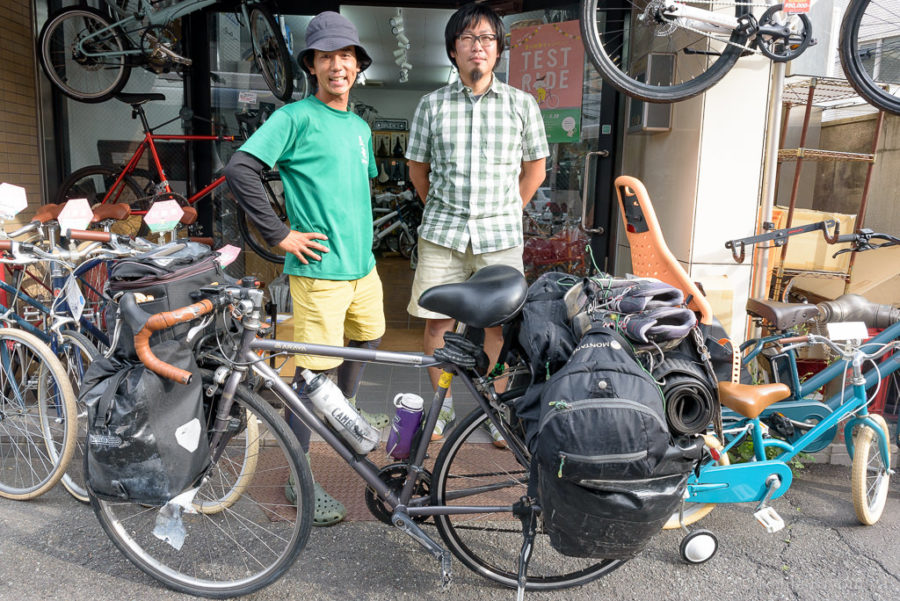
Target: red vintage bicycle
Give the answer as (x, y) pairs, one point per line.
(139, 187)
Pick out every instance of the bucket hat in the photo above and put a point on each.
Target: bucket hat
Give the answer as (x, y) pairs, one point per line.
(329, 31)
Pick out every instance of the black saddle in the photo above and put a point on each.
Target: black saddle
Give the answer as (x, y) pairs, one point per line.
(783, 316)
(136, 99)
(492, 296)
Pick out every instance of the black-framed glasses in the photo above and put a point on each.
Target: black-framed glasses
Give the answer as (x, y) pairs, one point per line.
(486, 40)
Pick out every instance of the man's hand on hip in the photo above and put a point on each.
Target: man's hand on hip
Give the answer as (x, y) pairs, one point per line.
(304, 243)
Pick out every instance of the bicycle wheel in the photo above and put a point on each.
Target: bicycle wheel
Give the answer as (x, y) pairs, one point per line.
(97, 183)
(76, 352)
(869, 478)
(694, 512)
(242, 547)
(870, 51)
(470, 471)
(251, 235)
(37, 405)
(271, 53)
(620, 37)
(405, 243)
(92, 72)
(233, 473)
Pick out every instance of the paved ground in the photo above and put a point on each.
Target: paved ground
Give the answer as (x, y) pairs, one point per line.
(53, 548)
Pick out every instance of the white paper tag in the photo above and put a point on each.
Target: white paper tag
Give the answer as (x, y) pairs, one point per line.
(74, 298)
(848, 330)
(227, 254)
(12, 200)
(247, 96)
(188, 435)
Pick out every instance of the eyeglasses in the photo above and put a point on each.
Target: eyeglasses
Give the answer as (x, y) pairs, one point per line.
(486, 40)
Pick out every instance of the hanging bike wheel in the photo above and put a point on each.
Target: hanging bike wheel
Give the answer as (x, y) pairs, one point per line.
(97, 183)
(870, 51)
(236, 544)
(478, 474)
(37, 406)
(92, 71)
(623, 38)
(271, 53)
(253, 238)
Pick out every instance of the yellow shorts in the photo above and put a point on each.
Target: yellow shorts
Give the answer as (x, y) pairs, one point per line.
(441, 265)
(327, 311)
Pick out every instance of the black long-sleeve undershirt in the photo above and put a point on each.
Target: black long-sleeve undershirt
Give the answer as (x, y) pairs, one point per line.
(244, 176)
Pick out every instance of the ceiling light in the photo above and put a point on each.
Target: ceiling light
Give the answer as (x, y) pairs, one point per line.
(400, 60)
(399, 52)
(402, 39)
(406, 66)
(397, 29)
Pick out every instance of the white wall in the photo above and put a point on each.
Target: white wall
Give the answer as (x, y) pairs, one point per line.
(704, 180)
(390, 103)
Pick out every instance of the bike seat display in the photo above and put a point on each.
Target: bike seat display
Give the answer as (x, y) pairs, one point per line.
(782, 316)
(133, 99)
(750, 400)
(490, 297)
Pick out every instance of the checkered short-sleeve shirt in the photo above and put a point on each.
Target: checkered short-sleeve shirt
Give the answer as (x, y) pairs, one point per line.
(475, 147)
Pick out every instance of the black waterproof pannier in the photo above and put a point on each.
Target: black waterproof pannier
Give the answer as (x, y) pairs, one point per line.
(609, 474)
(147, 435)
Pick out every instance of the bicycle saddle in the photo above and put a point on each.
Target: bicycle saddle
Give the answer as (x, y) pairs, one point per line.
(749, 400)
(783, 316)
(490, 297)
(117, 211)
(135, 99)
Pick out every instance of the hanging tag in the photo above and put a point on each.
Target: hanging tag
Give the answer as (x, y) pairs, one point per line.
(74, 298)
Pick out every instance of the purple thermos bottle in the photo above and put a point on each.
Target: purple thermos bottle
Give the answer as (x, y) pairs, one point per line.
(405, 424)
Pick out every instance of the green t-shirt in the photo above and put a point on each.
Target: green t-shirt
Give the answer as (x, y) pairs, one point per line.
(325, 158)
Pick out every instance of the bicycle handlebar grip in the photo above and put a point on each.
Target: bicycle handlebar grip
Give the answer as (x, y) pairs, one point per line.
(161, 321)
(846, 238)
(794, 339)
(47, 212)
(6, 245)
(202, 240)
(90, 235)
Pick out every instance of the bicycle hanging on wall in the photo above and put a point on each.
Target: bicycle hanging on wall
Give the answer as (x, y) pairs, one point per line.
(700, 41)
(88, 55)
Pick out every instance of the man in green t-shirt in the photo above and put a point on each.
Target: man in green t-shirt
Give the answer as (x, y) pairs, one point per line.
(324, 154)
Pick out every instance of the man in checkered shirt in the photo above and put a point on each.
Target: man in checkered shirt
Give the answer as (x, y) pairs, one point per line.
(476, 154)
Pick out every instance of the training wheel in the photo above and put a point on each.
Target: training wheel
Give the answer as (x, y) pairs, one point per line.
(698, 546)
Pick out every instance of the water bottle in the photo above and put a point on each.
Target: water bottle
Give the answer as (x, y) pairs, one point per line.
(405, 424)
(329, 401)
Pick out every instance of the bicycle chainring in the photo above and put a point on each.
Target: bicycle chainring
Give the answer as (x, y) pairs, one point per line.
(792, 43)
(394, 475)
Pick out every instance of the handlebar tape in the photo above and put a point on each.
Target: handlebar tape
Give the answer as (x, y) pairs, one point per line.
(161, 321)
(91, 235)
(794, 339)
(202, 240)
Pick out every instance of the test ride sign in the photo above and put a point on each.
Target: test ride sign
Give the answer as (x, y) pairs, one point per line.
(547, 61)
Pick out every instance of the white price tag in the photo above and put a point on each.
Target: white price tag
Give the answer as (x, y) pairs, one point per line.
(227, 254)
(163, 216)
(848, 330)
(12, 200)
(247, 97)
(74, 298)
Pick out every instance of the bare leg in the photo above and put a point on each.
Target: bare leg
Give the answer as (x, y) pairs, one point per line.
(434, 339)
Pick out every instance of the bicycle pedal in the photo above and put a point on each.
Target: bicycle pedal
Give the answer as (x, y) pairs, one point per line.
(769, 518)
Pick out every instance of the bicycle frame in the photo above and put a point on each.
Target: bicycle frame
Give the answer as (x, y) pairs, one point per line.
(366, 469)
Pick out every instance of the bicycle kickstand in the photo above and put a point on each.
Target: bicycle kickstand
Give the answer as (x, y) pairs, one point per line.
(526, 511)
(408, 526)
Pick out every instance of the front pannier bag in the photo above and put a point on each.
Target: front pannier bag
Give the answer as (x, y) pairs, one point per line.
(609, 474)
(147, 435)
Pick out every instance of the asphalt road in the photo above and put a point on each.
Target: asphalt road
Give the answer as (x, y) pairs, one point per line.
(53, 548)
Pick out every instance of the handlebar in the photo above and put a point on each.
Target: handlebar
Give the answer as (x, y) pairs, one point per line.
(862, 241)
(148, 324)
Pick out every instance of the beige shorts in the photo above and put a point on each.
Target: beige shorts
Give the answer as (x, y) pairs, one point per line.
(326, 311)
(440, 265)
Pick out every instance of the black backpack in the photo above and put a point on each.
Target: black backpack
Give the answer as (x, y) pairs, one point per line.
(147, 435)
(608, 472)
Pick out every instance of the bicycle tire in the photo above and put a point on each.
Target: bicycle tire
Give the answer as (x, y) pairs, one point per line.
(37, 404)
(271, 53)
(78, 352)
(252, 236)
(631, 30)
(82, 78)
(245, 468)
(95, 182)
(694, 512)
(872, 17)
(405, 243)
(215, 560)
(869, 479)
(489, 544)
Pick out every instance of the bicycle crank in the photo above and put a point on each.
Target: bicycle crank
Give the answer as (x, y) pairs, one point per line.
(394, 475)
